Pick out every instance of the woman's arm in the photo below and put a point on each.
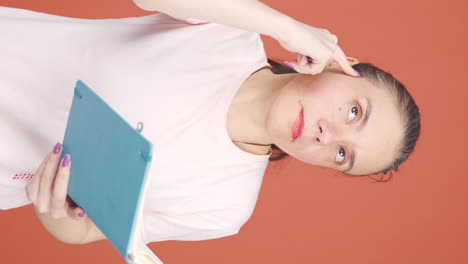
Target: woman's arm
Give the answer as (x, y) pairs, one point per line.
(48, 192)
(250, 15)
(71, 231)
(317, 46)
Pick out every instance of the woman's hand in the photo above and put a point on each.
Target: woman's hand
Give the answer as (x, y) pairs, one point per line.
(48, 192)
(320, 47)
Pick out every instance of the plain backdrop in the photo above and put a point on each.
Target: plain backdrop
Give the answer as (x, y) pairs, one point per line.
(307, 214)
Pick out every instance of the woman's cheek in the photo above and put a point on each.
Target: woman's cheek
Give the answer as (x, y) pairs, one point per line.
(319, 155)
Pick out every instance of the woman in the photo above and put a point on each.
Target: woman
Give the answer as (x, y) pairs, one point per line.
(218, 117)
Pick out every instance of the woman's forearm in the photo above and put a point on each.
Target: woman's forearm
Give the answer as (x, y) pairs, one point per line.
(250, 15)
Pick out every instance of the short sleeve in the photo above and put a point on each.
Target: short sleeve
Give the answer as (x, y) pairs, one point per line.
(193, 21)
(189, 20)
(162, 226)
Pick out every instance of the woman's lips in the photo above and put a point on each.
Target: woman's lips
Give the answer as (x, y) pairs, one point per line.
(298, 125)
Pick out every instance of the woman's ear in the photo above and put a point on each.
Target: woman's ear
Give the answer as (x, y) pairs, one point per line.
(351, 61)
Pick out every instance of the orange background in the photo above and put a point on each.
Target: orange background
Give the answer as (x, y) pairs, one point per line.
(307, 214)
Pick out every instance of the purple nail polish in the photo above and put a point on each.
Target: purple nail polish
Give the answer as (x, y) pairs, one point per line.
(81, 214)
(289, 65)
(57, 148)
(360, 75)
(66, 161)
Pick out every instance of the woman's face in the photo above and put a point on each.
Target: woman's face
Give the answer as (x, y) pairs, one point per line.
(349, 124)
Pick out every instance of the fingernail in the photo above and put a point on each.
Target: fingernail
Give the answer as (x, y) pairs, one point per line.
(81, 214)
(359, 74)
(289, 65)
(66, 161)
(57, 148)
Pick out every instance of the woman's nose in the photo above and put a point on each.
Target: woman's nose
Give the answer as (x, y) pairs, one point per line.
(327, 134)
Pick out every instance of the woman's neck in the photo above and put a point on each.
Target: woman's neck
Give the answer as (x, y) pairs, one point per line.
(247, 114)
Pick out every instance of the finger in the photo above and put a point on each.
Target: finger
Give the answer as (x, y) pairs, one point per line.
(301, 60)
(47, 178)
(58, 204)
(298, 68)
(74, 210)
(340, 58)
(317, 68)
(78, 213)
(295, 66)
(311, 66)
(33, 187)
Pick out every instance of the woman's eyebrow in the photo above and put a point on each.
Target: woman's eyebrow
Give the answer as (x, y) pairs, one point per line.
(366, 115)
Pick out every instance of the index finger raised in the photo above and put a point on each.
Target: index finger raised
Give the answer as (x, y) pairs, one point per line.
(340, 58)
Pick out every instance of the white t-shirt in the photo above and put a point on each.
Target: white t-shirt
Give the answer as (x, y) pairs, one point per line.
(176, 76)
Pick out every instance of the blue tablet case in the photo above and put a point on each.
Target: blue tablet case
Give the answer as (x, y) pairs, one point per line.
(110, 162)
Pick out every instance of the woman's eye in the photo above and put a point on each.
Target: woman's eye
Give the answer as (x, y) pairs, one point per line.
(340, 156)
(353, 112)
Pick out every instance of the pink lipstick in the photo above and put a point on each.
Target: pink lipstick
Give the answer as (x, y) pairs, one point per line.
(298, 125)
